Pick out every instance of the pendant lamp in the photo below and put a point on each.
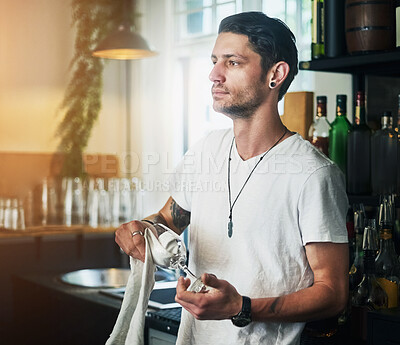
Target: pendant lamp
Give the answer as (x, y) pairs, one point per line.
(124, 43)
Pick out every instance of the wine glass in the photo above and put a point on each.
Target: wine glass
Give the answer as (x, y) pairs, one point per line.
(177, 259)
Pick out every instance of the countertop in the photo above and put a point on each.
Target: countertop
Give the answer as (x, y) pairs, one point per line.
(70, 309)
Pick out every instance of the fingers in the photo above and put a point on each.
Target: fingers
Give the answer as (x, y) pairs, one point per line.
(182, 285)
(211, 280)
(187, 299)
(221, 302)
(130, 239)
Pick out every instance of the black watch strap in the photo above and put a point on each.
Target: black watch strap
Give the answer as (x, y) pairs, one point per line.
(246, 306)
(244, 317)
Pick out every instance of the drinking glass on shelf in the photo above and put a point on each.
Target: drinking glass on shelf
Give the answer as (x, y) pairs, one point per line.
(374, 235)
(2, 205)
(114, 191)
(73, 201)
(104, 211)
(92, 203)
(44, 202)
(137, 198)
(20, 221)
(7, 214)
(98, 204)
(386, 210)
(125, 201)
(14, 217)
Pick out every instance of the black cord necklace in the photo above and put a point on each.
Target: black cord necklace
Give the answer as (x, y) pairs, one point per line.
(231, 205)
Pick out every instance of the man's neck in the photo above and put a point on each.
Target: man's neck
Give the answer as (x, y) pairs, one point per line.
(258, 134)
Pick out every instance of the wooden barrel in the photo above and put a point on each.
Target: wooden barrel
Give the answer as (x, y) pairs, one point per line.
(369, 25)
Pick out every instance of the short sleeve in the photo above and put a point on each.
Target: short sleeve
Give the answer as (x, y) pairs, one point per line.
(183, 180)
(323, 206)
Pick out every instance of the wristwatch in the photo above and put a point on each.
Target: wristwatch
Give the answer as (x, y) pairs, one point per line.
(243, 318)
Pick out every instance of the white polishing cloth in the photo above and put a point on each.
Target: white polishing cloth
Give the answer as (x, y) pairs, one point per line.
(129, 327)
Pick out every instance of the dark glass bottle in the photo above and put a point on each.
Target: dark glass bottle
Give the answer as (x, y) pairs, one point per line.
(357, 267)
(319, 130)
(397, 133)
(356, 260)
(350, 234)
(386, 264)
(359, 152)
(384, 157)
(317, 29)
(338, 134)
(396, 228)
(397, 6)
(369, 294)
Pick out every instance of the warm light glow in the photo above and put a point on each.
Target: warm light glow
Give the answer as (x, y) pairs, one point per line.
(123, 54)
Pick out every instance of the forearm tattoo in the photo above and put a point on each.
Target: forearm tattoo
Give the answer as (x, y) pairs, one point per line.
(274, 308)
(158, 218)
(180, 217)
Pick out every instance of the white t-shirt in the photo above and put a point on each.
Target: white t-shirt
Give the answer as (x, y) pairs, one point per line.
(295, 196)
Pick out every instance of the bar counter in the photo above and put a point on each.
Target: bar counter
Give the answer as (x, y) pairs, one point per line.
(53, 312)
(49, 250)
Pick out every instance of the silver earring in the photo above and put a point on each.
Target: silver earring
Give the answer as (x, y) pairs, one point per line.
(272, 84)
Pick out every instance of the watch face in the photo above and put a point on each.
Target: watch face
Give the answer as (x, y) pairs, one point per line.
(240, 320)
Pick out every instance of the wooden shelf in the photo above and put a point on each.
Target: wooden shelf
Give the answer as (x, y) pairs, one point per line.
(40, 231)
(379, 63)
(369, 200)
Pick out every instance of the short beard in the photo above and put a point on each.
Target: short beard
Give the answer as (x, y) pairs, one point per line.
(247, 108)
(244, 109)
(240, 111)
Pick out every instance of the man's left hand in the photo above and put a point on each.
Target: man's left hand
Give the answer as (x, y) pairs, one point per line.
(222, 301)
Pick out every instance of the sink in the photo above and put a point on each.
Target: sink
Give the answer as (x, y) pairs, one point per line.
(108, 277)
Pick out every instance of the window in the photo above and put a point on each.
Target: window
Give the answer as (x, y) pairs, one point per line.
(195, 31)
(200, 18)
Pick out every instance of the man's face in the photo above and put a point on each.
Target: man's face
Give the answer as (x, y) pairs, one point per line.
(237, 86)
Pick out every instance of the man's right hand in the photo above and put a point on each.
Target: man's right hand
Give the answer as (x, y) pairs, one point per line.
(128, 235)
(130, 240)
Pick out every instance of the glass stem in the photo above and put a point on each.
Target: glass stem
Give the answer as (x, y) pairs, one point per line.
(189, 274)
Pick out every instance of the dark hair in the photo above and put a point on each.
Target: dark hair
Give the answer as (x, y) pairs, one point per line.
(268, 37)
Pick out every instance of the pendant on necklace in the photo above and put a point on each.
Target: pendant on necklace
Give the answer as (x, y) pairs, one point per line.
(230, 228)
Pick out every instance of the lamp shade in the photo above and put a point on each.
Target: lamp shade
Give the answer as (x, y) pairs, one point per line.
(123, 44)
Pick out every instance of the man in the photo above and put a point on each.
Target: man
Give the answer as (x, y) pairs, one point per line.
(273, 237)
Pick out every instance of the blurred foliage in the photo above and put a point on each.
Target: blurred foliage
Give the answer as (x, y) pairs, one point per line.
(93, 21)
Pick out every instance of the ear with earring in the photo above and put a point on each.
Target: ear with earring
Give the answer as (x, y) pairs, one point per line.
(272, 84)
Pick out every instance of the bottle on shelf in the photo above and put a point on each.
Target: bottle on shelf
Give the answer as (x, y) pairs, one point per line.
(397, 133)
(369, 294)
(334, 20)
(397, 6)
(350, 234)
(317, 29)
(386, 264)
(319, 129)
(359, 152)
(384, 157)
(338, 134)
(357, 267)
(355, 255)
(396, 228)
